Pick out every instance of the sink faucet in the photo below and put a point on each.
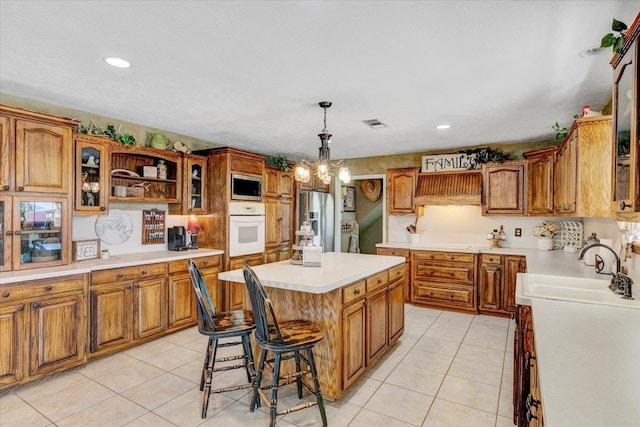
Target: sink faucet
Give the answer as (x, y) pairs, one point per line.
(620, 283)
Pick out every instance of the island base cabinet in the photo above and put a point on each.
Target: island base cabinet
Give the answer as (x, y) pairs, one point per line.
(396, 310)
(377, 340)
(354, 336)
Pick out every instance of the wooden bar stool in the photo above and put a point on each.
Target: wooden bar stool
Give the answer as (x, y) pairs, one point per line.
(292, 339)
(221, 325)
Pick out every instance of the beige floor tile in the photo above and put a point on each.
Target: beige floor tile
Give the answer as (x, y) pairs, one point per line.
(425, 311)
(449, 414)
(232, 378)
(492, 320)
(129, 376)
(381, 370)
(453, 323)
(185, 336)
(50, 386)
(173, 358)
(504, 422)
(186, 409)
(482, 340)
(23, 416)
(74, 399)
(476, 371)
(359, 393)
(238, 415)
(150, 420)
(428, 360)
(401, 404)
(498, 332)
(505, 402)
(437, 345)
(445, 333)
(481, 354)
(149, 349)
(417, 324)
(418, 379)
(116, 411)
(339, 414)
(99, 367)
(456, 315)
(367, 418)
(470, 393)
(158, 391)
(10, 402)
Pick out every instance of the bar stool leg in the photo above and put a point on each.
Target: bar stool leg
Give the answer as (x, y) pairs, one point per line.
(273, 411)
(255, 398)
(316, 386)
(207, 384)
(206, 363)
(296, 354)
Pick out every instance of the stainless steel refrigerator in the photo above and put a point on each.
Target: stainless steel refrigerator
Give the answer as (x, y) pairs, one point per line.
(318, 210)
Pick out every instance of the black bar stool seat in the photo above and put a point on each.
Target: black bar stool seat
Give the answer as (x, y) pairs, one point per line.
(217, 326)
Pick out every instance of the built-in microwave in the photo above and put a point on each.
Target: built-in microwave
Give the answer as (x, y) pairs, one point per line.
(246, 187)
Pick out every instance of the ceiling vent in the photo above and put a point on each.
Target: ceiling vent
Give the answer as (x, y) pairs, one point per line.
(374, 124)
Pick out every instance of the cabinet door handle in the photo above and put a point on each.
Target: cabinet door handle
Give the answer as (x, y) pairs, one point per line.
(120, 275)
(356, 292)
(9, 232)
(5, 187)
(145, 272)
(137, 285)
(205, 262)
(531, 402)
(623, 205)
(48, 288)
(379, 281)
(21, 307)
(5, 294)
(35, 305)
(530, 415)
(21, 188)
(17, 232)
(103, 208)
(497, 268)
(128, 287)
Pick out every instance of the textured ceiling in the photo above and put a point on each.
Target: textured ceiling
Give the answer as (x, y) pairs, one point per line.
(250, 74)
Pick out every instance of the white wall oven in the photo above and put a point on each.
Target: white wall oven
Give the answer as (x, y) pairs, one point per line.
(246, 228)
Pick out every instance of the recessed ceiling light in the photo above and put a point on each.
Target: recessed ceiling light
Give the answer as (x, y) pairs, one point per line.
(117, 62)
(443, 126)
(593, 51)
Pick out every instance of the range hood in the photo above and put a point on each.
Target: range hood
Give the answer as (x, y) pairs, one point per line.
(449, 188)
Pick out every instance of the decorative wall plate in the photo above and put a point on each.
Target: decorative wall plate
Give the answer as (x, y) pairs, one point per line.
(115, 228)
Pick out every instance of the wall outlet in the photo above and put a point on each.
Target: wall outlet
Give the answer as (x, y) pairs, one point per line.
(518, 232)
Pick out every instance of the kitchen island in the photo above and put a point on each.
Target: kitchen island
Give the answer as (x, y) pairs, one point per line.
(357, 300)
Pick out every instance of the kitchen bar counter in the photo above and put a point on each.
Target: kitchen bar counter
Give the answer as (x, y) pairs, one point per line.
(114, 261)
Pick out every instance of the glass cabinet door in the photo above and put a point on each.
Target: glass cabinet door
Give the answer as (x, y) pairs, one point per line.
(91, 179)
(42, 226)
(623, 89)
(5, 233)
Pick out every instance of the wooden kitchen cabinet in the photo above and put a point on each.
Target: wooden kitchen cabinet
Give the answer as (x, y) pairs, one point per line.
(540, 181)
(233, 291)
(444, 280)
(401, 190)
(395, 304)
(37, 152)
(314, 184)
(407, 266)
(279, 213)
(582, 178)
(354, 340)
(127, 305)
(625, 171)
(42, 328)
(503, 188)
(377, 321)
(497, 283)
(527, 400)
(194, 187)
(92, 183)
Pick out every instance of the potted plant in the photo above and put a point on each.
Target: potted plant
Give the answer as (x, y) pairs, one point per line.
(545, 233)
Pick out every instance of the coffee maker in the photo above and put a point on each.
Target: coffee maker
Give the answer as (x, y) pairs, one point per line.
(177, 239)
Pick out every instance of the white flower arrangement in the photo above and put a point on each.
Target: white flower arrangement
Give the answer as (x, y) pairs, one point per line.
(547, 229)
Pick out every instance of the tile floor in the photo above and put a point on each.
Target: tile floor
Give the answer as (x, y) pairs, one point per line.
(448, 369)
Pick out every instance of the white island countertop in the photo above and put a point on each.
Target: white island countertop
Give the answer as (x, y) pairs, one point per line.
(338, 269)
(589, 363)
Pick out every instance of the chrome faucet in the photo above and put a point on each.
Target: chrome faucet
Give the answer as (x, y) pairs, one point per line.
(620, 283)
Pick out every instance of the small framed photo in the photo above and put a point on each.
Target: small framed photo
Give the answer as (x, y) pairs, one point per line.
(349, 201)
(85, 249)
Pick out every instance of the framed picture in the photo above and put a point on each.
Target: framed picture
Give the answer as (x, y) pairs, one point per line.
(86, 249)
(349, 201)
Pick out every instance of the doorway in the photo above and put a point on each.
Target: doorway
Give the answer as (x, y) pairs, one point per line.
(361, 214)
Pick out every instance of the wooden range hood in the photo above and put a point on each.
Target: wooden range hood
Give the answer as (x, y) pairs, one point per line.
(449, 188)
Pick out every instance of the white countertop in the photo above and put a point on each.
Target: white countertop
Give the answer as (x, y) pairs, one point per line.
(588, 362)
(338, 269)
(114, 261)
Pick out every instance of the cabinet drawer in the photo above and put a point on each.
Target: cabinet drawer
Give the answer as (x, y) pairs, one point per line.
(41, 287)
(394, 251)
(490, 259)
(432, 292)
(203, 262)
(252, 260)
(353, 292)
(377, 281)
(460, 274)
(128, 273)
(396, 273)
(444, 256)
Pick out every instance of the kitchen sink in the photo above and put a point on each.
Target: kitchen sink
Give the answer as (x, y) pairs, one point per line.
(594, 291)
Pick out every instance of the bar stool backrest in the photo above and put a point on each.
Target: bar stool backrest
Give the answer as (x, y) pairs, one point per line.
(206, 310)
(263, 313)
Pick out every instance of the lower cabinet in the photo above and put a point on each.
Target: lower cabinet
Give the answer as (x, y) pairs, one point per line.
(234, 292)
(42, 328)
(497, 283)
(372, 320)
(406, 253)
(527, 399)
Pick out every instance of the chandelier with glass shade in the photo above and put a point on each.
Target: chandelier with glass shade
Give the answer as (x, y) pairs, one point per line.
(323, 166)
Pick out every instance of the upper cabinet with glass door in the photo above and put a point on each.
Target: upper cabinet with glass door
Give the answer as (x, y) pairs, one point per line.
(92, 185)
(626, 124)
(194, 187)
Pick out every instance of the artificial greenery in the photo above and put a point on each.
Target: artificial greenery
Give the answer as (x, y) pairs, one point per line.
(561, 132)
(110, 131)
(280, 162)
(480, 155)
(615, 40)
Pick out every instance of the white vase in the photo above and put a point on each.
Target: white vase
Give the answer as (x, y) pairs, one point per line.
(545, 243)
